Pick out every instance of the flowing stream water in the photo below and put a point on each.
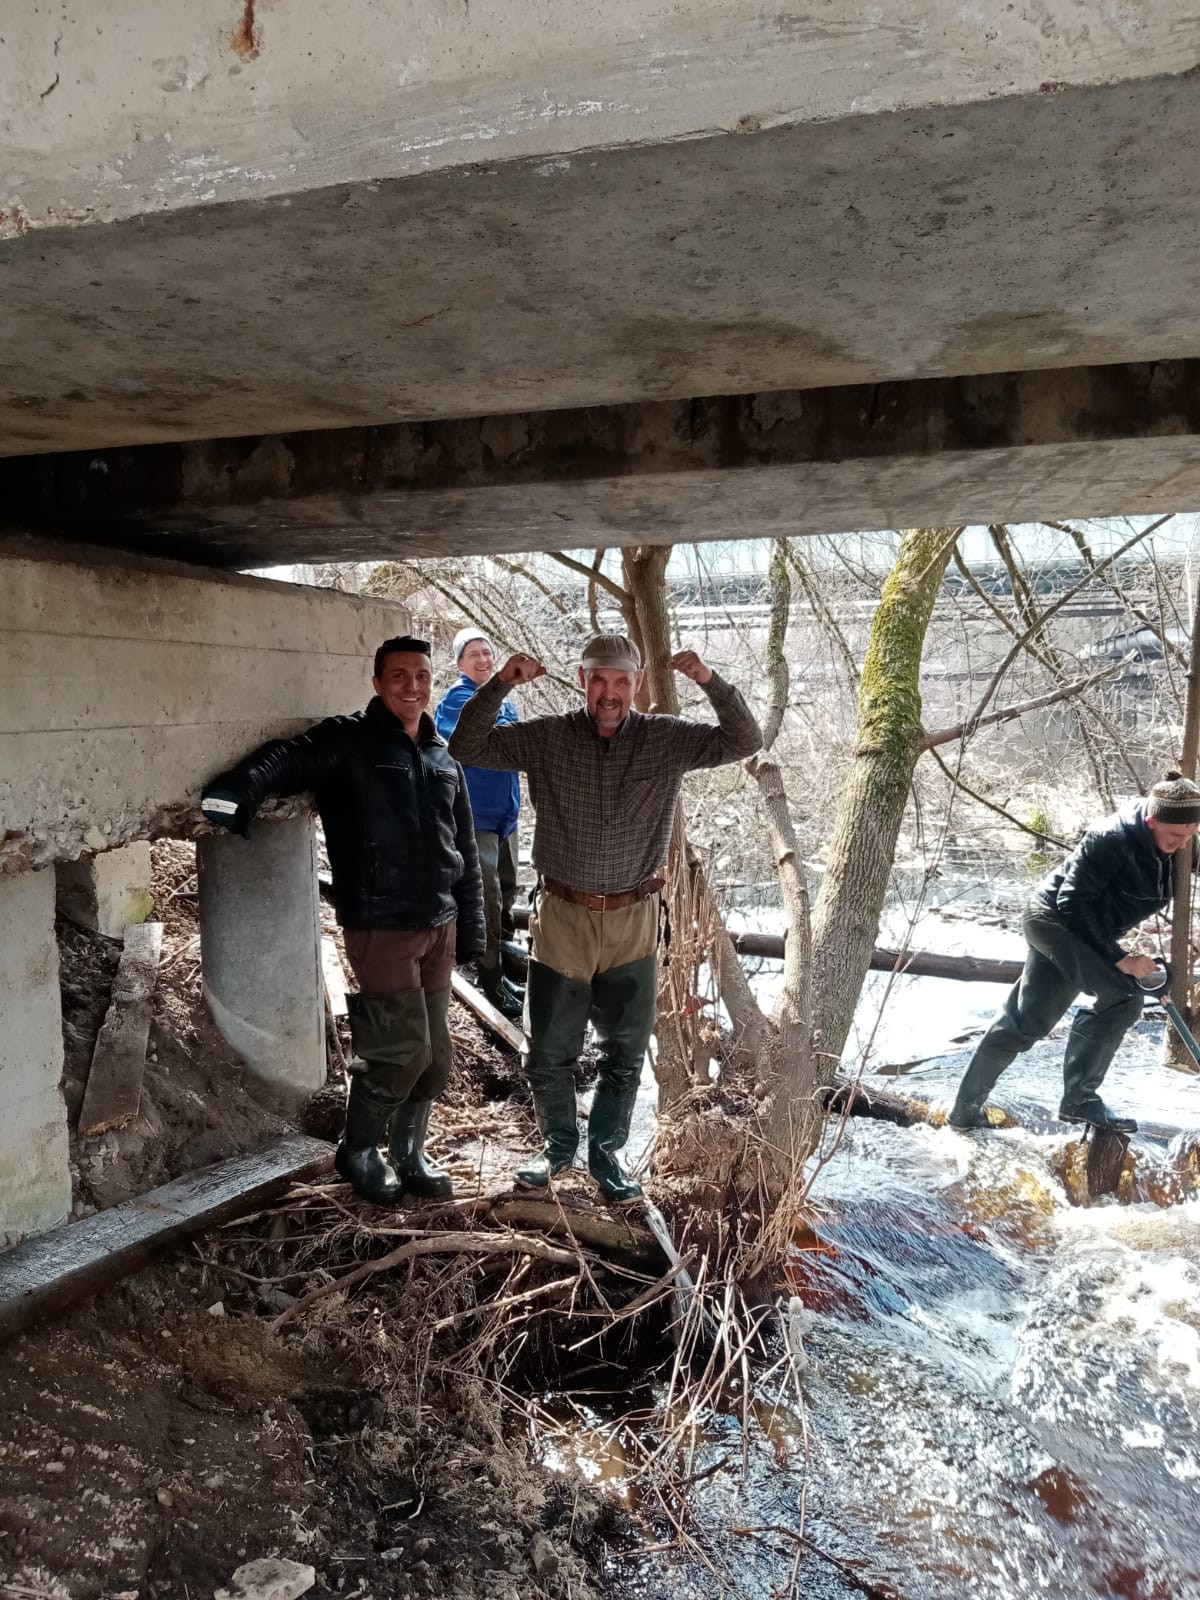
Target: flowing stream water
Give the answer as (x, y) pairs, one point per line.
(1002, 1395)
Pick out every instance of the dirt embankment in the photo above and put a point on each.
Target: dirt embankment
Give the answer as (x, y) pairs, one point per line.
(166, 1432)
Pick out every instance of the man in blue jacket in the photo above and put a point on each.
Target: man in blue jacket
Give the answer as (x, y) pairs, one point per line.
(496, 804)
(1120, 873)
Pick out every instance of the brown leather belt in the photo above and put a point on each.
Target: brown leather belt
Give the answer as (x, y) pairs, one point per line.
(601, 902)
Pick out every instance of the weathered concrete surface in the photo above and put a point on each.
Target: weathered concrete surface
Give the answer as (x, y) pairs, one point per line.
(118, 108)
(125, 683)
(107, 892)
(260, 943)
(35, 1182)
(414, 212)
(1093, 442)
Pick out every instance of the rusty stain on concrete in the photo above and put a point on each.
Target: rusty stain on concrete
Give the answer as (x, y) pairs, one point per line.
(247, 39)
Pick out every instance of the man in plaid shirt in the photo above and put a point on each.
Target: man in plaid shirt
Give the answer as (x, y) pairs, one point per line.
(604, 783)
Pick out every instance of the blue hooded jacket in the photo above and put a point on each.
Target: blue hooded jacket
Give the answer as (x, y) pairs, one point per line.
(495, 796)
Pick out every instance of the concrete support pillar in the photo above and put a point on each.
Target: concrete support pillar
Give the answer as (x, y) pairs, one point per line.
(35, 1180)
(260, 948)
(108, 891)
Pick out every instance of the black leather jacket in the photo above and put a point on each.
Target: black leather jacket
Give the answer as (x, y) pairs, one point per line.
(1114, 878)
(397, 819)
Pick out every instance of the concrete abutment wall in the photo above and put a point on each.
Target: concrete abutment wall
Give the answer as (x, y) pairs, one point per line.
(124, 684)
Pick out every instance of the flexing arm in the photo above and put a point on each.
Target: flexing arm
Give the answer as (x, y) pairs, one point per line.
(737, 733)
(478, 742)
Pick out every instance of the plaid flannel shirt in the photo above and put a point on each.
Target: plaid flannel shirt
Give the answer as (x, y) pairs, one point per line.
(604, 807)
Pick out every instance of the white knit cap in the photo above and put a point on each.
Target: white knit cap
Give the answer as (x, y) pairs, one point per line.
(463, 638)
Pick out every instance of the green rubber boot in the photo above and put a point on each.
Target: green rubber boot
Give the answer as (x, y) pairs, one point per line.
(556, 1014)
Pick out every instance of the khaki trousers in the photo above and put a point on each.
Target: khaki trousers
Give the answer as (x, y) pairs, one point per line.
(579, 943)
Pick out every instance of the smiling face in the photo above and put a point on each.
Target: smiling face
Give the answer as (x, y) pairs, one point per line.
(610, 692)
(477, 661)
(1170, 836)
(404, 684)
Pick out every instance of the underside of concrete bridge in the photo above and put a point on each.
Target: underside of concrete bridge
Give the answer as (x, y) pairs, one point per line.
(690, 270)
(286, 281)
(1002, 447)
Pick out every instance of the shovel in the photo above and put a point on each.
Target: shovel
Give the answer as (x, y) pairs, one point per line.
(1160, 984)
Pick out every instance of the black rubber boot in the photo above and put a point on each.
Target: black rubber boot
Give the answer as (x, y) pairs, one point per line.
(967, 1118)
(358, 1158)
(1092, 1043)
(995, 1051)
(1092, 1110)
(608, 1131)
(514, 961)
(508, 998)
(406, 1147)
(557, 1118)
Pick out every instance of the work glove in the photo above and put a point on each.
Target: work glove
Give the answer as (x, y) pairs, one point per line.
(226, 807)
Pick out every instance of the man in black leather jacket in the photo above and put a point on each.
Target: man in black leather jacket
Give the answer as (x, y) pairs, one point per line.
(1119, 874)
(408, 894)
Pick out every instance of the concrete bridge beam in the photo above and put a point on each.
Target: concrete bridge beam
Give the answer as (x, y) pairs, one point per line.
(1003, 447)
(335, 216)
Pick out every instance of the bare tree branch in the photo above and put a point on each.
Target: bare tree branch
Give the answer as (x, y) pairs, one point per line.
(592, 574)
(593, 609)
(1028, 612)
(1007, 713)
(777, 664)
(1049, 660)
(1050, 610)
(992, 805)
(1085, 550)
(793, 1010)
(520, 570)
(821, 610)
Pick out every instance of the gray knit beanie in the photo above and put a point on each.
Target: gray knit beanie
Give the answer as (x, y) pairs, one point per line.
(464, 637)
(1174, 798)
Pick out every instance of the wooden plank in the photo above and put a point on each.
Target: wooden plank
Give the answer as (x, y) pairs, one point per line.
(335, 976)
(487, 1013)
(114, 1086)
(51, 1272)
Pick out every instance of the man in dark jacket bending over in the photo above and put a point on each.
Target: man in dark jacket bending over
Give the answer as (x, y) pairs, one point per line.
(407, 892)
(1119, 874)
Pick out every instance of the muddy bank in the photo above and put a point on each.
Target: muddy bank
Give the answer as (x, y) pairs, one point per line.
(162, 1436)
(165, 1433)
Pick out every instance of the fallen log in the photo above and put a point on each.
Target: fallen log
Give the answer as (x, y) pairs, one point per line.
(852, 1099)
(51, 1272)
(615, 1235)
(914, 963)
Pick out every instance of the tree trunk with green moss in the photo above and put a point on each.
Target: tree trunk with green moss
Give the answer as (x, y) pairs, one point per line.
(874, 796)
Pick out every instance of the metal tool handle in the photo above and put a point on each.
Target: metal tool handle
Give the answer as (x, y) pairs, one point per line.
(1157, 982)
